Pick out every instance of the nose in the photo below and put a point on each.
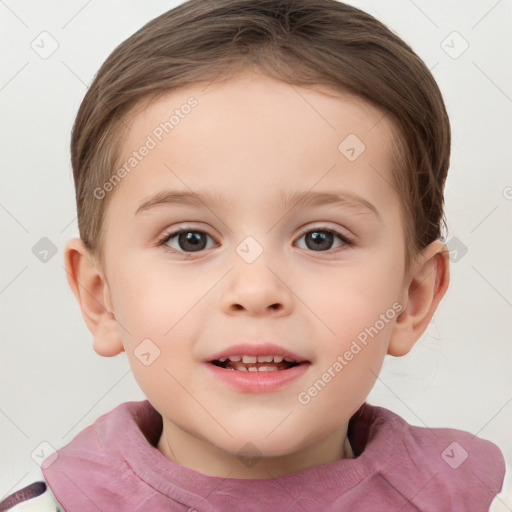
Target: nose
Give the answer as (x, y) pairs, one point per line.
(257, 289)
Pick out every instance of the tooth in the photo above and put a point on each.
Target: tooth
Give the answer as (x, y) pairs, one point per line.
(249, 359)
(235, 358)
(289, 360)
(277, 359)
(267, 369)
(264, 359)
(241, 369)
(222, 359)
(253, 369)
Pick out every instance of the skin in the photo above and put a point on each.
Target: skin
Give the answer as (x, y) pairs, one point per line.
(250, 139)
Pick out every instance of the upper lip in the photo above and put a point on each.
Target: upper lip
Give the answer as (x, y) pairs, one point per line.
(256, 349)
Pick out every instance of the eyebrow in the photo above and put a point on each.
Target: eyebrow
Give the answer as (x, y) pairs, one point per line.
(289, 200)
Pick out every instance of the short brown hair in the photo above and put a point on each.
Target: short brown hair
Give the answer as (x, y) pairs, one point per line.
(301, 42)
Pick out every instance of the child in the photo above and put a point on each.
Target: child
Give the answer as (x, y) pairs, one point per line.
(261, 128)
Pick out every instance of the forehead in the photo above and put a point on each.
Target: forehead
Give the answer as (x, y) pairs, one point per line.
(253, 132)
(255, 98)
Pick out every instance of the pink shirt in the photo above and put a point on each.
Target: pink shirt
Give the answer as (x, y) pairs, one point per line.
(114, 465)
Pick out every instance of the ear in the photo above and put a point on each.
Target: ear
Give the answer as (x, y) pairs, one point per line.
(93, 295)
(425, 287)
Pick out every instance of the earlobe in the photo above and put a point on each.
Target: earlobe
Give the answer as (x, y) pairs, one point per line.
(93, 296)
(427, 285)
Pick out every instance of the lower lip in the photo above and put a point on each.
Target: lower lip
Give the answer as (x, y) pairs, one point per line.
(258, 382)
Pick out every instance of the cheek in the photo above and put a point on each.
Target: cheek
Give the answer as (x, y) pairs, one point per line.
(360, 310)
(159, 312)
(151, 303)
(357, 301)
(350, 360)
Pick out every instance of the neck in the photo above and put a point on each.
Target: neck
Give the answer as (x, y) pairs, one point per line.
(200, 455)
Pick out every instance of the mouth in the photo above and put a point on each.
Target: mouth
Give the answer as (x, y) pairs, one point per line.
(247, 363)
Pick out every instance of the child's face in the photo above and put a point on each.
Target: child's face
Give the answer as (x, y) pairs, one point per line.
(249, 143)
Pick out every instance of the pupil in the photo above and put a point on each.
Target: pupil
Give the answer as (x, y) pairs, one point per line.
(321, 239)
(191, 240)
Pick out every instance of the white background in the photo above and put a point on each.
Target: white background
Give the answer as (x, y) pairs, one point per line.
(53, 384)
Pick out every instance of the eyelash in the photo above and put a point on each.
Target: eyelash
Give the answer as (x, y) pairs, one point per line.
(347, 242)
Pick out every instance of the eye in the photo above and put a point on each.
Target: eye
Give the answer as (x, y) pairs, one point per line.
(321, 240)
(187, 240)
